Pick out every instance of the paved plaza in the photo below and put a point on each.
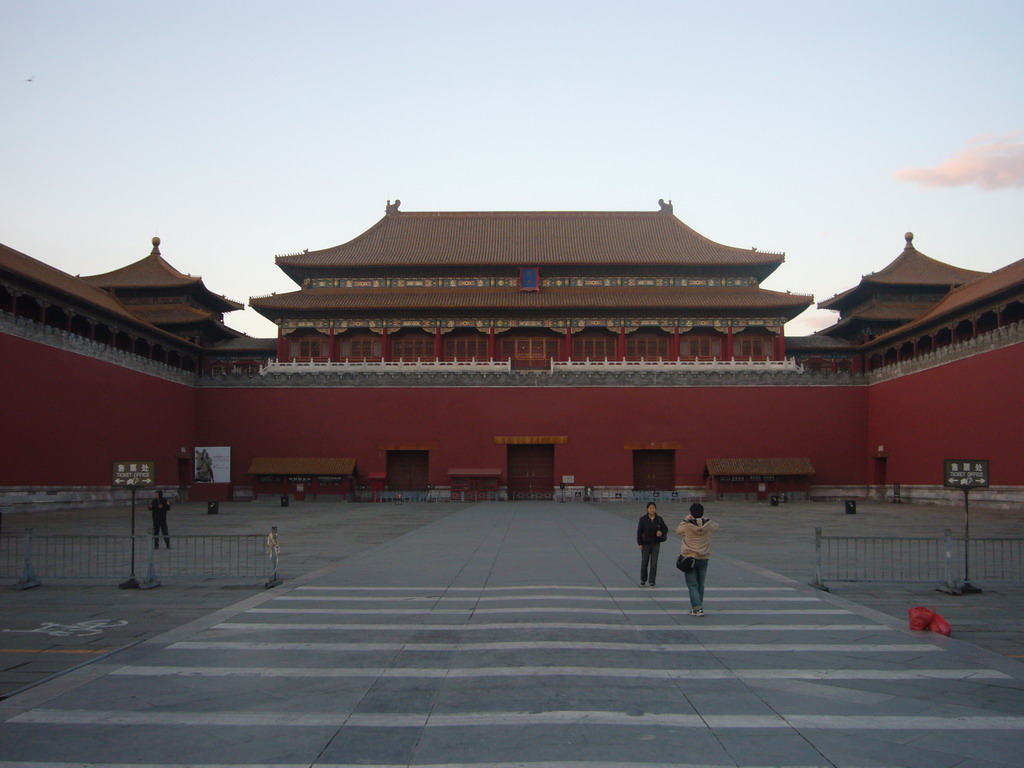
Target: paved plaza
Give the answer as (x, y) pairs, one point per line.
(512, 634)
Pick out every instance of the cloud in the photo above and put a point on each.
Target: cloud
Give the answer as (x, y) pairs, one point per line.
(994, 162)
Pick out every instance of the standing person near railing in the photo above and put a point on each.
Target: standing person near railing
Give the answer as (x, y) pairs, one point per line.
(696, 531)
(159, 507)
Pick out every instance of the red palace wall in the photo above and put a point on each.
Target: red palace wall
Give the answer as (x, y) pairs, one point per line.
(67, 417)
(968, 409)
(825, 424)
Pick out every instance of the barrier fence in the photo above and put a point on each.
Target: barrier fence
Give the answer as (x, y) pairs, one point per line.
(574, 493)
(32, 558)
(946, 561)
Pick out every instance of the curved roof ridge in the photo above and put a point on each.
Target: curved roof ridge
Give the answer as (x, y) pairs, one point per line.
(914, 267)
(503, 238)
(154, 271)
(151, 270)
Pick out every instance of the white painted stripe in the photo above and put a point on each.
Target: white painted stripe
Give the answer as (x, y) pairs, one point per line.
(696, 625)
(540, 609)
(550, 588)
(552, 671)
(557, 718)
(537, 645)
(610, 599)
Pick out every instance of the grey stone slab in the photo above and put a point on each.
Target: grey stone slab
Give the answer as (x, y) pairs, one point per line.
(769, 748)
(572, 744)
(164, 744)
(633, 697)
(373, 746)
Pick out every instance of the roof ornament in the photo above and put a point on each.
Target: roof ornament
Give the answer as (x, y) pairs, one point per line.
(156, 247)
(392, 208)
(665, 207)
(909, 237)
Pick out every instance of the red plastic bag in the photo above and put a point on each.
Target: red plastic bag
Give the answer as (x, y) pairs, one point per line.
(922, 618)
(940, 625)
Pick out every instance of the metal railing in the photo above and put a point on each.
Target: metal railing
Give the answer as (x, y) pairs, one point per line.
(946, 560)
(31, 558)
(386, 366)
(704, 366)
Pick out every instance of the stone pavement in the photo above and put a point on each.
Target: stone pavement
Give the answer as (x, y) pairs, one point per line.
(511, 634)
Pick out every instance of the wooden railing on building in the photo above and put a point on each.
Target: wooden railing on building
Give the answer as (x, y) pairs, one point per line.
(390, 366)
(706, 366)
(788, 365)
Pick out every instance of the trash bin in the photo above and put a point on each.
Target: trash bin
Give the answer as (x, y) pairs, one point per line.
(851, 507)
(284, 501)
(212, 507)
(774, 501)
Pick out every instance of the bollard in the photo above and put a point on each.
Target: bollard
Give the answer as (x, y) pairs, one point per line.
(28, 573)
(284, 501)
(273, 549)
(212, 507)
(818, 583)
(851, 507)
(151, 580)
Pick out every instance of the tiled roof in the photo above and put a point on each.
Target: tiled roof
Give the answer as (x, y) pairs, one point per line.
(36, 271)
(437, 299)
(880, 311)
(959, 299)
(171, 314)
(245, 344)
(154, 272)
(267, 466)
(760, 467)
(149, 272)
(910, 268)
(816, 341)
(531, 239)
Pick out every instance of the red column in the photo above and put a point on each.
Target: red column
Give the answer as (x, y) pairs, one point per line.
(438, 344)
(567, 354)
(385, 353)
(727, 352)
(331, 353)
(620, 350)
(782, 342)
(280, 345)
(491, 344)
(675, 344)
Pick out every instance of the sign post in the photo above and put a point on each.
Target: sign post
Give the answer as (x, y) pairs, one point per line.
(966, 474)
(133, 474)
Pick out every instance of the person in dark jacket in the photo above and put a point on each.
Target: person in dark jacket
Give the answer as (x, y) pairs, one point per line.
(159, 507)
(650, 532)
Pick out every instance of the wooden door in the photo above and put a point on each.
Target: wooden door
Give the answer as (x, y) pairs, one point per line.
(531, 471)
(654, 470)
(408, 470)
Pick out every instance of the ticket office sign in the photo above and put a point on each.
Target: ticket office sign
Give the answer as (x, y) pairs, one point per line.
(130, 474)
(965, 473)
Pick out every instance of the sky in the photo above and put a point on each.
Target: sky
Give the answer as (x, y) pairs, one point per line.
(238, 131)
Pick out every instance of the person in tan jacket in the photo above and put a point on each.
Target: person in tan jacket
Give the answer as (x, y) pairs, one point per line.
(696, 531)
